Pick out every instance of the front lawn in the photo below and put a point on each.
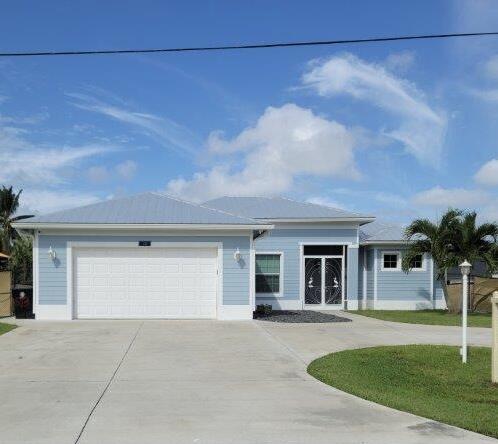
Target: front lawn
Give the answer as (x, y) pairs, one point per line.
(428, 317)
(4, 328)
(427, 380)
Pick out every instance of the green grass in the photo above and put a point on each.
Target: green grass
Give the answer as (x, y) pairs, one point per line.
(427, 380)
(428, 317)
(4, 328)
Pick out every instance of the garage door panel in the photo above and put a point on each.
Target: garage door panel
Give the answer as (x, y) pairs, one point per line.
(145, 282)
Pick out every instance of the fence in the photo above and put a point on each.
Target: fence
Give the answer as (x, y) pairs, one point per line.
(5, 294)
(480, 293)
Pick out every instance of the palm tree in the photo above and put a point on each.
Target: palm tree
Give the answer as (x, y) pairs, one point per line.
(477, 243)
(9, 203)
(455, 238)
(436, 239)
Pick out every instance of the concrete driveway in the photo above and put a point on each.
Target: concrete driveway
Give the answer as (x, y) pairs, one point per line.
(179, 382)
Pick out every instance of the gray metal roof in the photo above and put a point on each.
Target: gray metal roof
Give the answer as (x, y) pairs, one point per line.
(381, 232)
(146, 208)
(275, 208)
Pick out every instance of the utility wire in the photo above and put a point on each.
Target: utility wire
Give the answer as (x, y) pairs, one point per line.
(248, 46)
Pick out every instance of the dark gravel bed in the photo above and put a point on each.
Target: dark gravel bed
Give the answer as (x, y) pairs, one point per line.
(302, 316)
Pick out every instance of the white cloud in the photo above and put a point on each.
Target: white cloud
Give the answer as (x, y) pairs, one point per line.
(451, 197)
(487, 95)
(98, 174)
(165, 131)
(127, 169)
(400, 61)
(37, 201)
(488, 173)
(284, 143)
(24, 162)
(491, 67)
(420, 128)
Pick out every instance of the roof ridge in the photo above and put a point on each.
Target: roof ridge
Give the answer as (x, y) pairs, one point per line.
(158, 193)
(320, 205)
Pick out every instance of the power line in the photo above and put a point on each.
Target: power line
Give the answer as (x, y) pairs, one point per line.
(248, 46)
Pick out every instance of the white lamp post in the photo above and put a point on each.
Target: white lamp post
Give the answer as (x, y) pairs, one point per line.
(465, 267)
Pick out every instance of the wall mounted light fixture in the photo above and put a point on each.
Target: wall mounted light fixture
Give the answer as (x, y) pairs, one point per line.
(237, 255)
(51, 253)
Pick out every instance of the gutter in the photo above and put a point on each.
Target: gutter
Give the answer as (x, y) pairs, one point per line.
(361, 220)
(78, 226)
(385, 242)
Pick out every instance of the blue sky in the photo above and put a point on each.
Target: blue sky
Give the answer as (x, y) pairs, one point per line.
(398, 130)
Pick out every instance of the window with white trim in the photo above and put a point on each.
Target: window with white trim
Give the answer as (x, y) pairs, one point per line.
(417, 263)
(268, 273)
(391, 261)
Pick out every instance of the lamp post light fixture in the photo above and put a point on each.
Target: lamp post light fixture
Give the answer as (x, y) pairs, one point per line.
(465, 267)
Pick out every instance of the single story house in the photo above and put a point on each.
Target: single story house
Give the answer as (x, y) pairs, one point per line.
(155, 256)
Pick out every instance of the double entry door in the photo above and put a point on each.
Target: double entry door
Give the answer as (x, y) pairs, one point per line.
(323, 281)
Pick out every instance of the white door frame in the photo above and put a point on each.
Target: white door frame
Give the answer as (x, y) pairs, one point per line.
(346, 245)
(71, 294)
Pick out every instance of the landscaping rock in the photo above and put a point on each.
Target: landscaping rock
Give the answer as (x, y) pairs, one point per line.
(301, 316)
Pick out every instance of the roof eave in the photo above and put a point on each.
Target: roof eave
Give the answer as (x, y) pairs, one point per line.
(360, 220)
(384, 242)
(69, 226)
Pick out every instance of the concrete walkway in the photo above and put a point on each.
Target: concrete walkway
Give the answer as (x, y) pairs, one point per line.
(106, 382)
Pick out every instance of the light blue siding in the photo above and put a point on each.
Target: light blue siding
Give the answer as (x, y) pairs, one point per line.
(352, 275)
(400, 286)
(361, 258)
(370, 275)
(438, 288)
(288, 242)
(53, 277)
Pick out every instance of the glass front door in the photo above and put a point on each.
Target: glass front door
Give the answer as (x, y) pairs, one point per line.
(333, 280)
(323, 280)
(313, 280)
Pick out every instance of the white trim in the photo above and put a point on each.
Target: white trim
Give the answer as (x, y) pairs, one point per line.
(143, 234)
(46, 312)
(323, 305)
(280, 277)
(315, 226)
(235, 313)
(252, 271)
(433, 294)
(398, 260)
(319, 219)
(221, 313)
(219, 272)
(385, 242)
(280, 304)
(301, 275)
(326, 243)
(424, 264)
(36, 273)
(128, 244)
(376, 270)
(64, 226)
(353, 304)
(332, 307)
(365, 276)
(69, 282)
(440, 304)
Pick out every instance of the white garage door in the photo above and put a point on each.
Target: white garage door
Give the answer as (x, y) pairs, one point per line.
(145, 282)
